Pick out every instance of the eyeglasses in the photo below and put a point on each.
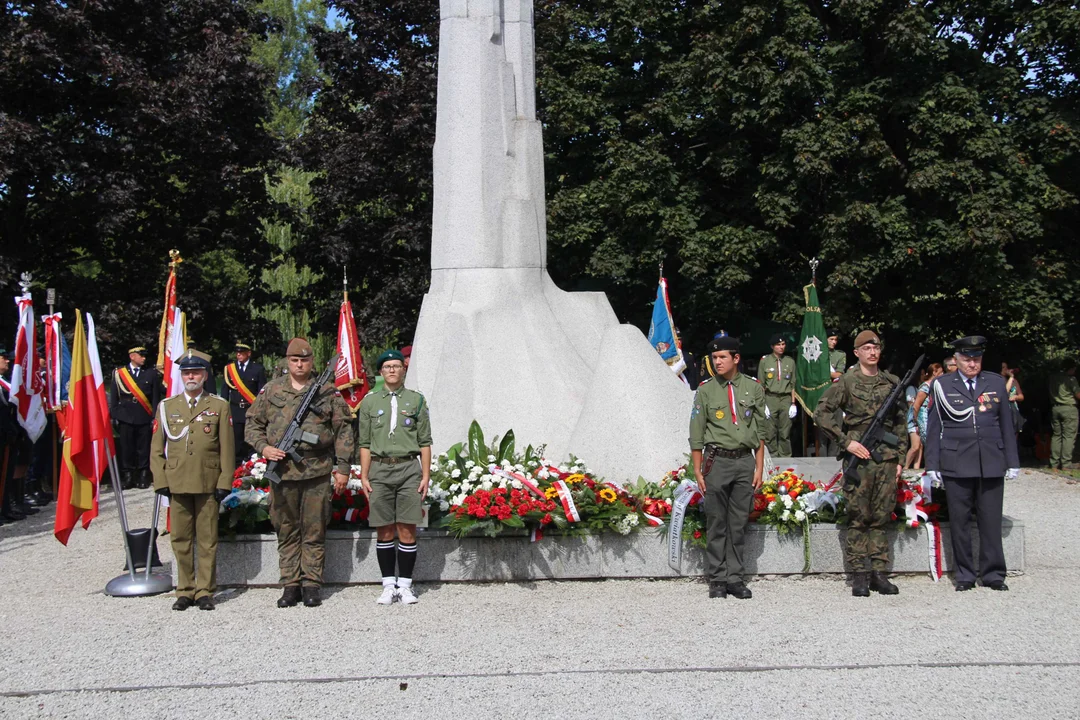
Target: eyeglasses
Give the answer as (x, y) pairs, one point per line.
(393, 367)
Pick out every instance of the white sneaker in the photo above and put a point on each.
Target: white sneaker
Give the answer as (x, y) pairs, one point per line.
(388, 595)
(406, 597)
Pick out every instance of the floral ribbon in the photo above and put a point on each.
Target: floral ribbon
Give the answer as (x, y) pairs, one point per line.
(567, 501)
(520, 478)
(684, 495)
(933, 542)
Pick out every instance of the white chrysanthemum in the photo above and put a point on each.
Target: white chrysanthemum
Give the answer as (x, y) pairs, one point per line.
(454, 487)
(444, 506)
(487, 485)
(516, 484)
(772, 504)
(476, 471)
(787, 501)
(786, 516)
(800, 515)
(455, 473)
(469, 464)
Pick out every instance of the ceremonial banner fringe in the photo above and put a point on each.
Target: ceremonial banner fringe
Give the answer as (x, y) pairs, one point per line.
(349, 377)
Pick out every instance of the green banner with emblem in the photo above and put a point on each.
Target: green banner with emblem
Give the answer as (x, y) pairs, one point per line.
(812, 373)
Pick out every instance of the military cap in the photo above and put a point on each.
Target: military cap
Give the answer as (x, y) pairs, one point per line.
(194, 360)
(971, 346)
(776, 339)
(5, 353)
(388, 355)
(190, 344)
(138, 350)
(299, 347)
(867, 337)
(832, 332)
(242, 347)
(724, 343)
(406, 351)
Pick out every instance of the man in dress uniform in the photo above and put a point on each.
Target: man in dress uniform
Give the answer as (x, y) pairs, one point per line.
(971, 447)
(726, 449)
(776, 373)
(191, 458)
(395, 431)
(300, 503)
(244, 379)
(136, 391)
(859, 394)
(1064, 392)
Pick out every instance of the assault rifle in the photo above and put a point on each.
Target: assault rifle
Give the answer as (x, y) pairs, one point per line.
(876, 434)
(293, 434)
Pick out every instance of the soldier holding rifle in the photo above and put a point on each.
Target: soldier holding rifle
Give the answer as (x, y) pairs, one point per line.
(725, 434)
(870, 483)
(300, 502)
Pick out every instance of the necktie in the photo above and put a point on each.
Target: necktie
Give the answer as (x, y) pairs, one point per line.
(971, 385)
(192, 402)
(731, 404)
(243, 367)
(136, 372)
(393, 413)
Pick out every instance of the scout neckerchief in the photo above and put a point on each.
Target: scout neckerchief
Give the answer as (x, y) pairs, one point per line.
(233, 380)
(132, 388)
(731, 402)
(777, 367)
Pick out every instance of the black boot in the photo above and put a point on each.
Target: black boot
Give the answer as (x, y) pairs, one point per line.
(10, 512)
(20, 497)
(35, 497)
(860, 585)
(290, 597)
(879, 583)
(312, 596)
(144, 479)
(126, 481)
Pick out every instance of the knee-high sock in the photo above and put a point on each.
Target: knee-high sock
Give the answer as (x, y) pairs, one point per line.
(406, 561)
(384, 551)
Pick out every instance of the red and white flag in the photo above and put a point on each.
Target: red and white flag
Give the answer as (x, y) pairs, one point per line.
(27, 386)
(54, 361)
(349, 377)
(174, 348)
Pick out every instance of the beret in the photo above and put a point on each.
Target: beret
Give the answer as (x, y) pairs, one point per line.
(724, 343)
(299, 347)
(388, 355)
(867, 337)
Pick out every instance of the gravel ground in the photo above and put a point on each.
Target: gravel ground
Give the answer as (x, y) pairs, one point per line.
(803, 647)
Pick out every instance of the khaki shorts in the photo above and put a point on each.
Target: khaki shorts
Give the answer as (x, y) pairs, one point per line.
(394, 496)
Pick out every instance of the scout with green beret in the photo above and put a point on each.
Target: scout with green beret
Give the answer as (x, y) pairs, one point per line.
(725, 434)
(395, 430)
(776, 373)
(1064, 392)
(191, 458)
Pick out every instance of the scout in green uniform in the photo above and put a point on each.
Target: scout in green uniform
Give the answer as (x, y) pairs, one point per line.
(859, 394)
(191, 458)
(1064, 392)
(300, 503)
(395, 430)
(776, 374)
(728, 460)
(837, 366)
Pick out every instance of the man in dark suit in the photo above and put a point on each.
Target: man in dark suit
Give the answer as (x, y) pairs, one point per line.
(971, 447)
(243, 381)
(136, 391)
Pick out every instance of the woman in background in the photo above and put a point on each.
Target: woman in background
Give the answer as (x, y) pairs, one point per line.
(922, 407)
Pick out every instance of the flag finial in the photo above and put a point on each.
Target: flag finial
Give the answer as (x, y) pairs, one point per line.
(345, 281)
(814, 262)
(174, 259)
(24, 282)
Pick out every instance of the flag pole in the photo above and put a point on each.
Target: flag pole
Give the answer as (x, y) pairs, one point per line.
(121, 509)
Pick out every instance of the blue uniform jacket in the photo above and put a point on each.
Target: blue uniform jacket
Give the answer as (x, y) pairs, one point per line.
(970, 434)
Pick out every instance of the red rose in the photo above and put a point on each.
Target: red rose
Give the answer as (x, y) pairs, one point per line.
(697, 534)
(337, 515)
(546, 520)
(811, 486)
(793, 494)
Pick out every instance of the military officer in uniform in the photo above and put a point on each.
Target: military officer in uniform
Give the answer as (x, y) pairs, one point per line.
(971, 447)
(837, 358)
(136, 391)
(395, 432)
(859, 393)
(191, 459)
(776, 373)
(727, 451)
(1064, 392)
(300, 503)
(244, 379)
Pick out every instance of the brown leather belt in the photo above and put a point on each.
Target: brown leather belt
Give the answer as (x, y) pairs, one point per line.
(730, 454)
(393, 460)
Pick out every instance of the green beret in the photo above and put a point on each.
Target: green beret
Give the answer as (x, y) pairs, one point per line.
(388, 355)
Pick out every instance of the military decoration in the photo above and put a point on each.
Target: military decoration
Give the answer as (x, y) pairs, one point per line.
(719, 414)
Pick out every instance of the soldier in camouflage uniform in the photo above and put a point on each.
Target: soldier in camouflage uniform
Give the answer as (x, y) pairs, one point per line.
(300, 503)
(859, 393)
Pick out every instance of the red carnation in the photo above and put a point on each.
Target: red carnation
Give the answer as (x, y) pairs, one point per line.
(479, 512)
(237, 483)
(336, 516)
(523, 510)
(697, 534)
(793, 494)
(546, 520)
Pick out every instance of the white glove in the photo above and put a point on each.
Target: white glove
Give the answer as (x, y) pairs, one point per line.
(1012, 473)
(935, 478)
(792, 411)
(767, 413)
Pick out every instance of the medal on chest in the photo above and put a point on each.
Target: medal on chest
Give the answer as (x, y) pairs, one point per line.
(719, 414)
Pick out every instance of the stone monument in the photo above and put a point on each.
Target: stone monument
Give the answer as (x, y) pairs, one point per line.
(497, 341)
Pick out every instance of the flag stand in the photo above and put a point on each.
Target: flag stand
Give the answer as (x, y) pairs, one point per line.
(134, 584)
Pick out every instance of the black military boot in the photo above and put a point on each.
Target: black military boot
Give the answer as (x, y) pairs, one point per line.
(879, 583)
(312, 596)
(20, 497)
(126, 481)
(290, 597)
(144, 479)
(35, 496)
(860, 584)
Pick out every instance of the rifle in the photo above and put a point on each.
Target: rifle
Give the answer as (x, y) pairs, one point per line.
(293, 434)
(875, 435)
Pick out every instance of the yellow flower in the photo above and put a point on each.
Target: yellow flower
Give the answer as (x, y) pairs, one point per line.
(607, 495)
(551, 493)
(575, 478)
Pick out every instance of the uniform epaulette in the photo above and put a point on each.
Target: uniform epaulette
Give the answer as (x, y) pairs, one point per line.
(215, 396)
(994, 374)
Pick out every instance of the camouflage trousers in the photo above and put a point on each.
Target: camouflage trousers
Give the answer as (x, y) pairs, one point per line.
(299, 510)
(870, 508)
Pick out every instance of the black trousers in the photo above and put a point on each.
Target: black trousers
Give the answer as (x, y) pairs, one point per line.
(243, 450)
(134, 450)
(986, 495)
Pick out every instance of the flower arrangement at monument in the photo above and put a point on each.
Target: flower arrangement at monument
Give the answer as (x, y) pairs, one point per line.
(349, 508)
(779, 502)
(913, 504)
(248, 505)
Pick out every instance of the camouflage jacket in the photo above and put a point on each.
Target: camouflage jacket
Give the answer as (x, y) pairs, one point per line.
(328, 418)
(860, 396)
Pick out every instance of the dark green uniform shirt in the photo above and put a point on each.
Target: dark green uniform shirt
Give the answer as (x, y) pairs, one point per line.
(1063, 389)
(412, 431)
(714, 421)
(777, 376)
(860, 396)
(837, 361)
